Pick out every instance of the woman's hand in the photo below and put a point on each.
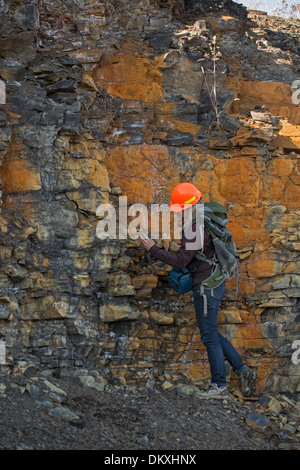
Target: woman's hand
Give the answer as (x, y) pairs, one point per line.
(147, 242)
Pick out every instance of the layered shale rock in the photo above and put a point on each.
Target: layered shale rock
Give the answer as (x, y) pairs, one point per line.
(107, 100)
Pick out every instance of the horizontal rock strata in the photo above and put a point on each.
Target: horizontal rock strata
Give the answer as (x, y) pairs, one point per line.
(110, 99)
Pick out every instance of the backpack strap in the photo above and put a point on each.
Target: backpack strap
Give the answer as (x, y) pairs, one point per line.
(201, 257)
(204, 296)
(202, 293)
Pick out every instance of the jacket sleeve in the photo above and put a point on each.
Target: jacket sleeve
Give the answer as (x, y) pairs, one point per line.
(177, 260)
(180, 259)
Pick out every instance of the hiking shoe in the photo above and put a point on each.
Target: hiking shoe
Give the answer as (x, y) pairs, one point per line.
(248, 381)
(214, 391)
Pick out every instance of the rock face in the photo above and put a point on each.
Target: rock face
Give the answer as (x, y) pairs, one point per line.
(110, 99)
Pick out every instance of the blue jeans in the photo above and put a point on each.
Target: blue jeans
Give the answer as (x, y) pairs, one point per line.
(217, 346)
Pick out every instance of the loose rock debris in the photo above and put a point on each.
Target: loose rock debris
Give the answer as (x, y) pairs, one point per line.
(58, 414)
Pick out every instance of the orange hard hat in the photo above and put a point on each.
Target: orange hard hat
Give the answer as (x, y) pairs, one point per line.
(184, 195)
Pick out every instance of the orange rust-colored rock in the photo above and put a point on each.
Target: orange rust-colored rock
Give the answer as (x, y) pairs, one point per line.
(247, 224)
(276, 96)
(144, 284)
(292, 192)
(130, 77)
(16, 173)
(264, 265)
(278, 184)
(242, 170)
(288, 137)
(252, 337)
(144, 173)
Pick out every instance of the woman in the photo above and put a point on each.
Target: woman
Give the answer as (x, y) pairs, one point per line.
(185, 196)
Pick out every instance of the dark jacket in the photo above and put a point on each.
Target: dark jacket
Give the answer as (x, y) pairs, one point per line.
(186, 258)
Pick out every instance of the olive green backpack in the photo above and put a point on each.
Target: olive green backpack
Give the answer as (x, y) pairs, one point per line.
(225, 262)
